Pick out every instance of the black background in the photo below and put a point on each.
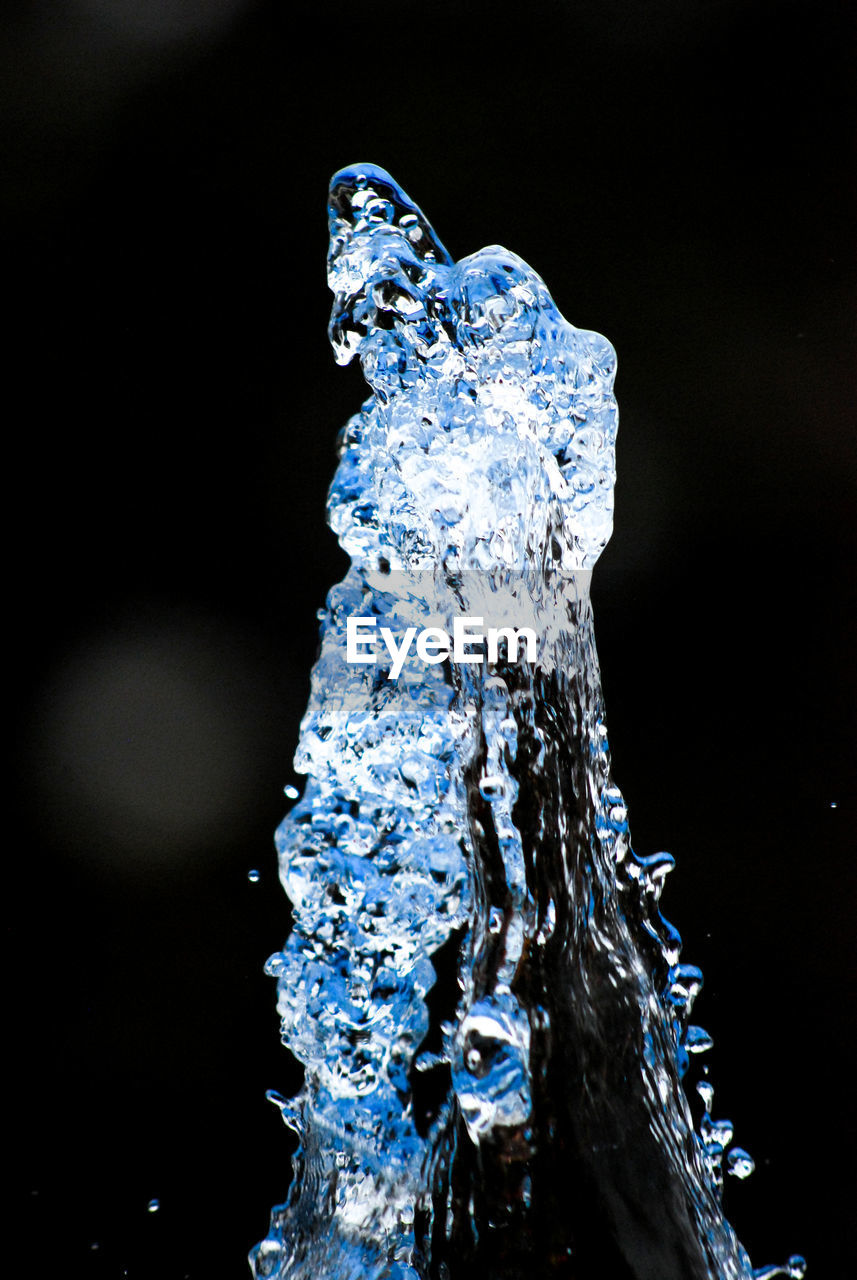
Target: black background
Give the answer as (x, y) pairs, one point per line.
(679, 173)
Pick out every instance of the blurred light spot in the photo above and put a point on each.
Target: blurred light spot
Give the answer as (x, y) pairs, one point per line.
(148, 741)
(160, 22)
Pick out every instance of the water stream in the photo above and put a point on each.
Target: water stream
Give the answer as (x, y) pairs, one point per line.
(493, 1017)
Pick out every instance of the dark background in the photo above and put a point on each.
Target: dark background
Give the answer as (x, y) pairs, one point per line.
(680, 174)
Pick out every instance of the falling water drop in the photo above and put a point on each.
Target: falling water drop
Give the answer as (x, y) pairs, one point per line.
(706, 1092)
(697, 1040)
(739, 1163)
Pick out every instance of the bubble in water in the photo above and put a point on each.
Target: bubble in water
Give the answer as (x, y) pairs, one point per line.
(493, 786)
(490, 1071)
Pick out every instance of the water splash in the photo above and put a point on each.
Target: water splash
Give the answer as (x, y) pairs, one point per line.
(490, 1009)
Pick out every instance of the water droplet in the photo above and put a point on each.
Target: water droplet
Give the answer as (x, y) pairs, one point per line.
(739, 1163)
(495, 686)
(795, 1268)
(153, 1206)
(253, 876)
(716, 1134)
(290, 792)
(651, 873)
(706, 1092)
(834, 804)
(268, 1257)
(697, 1040)
(685, 985)
(276, 965)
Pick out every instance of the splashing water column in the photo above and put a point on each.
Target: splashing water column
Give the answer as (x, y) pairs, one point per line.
(491, 1012)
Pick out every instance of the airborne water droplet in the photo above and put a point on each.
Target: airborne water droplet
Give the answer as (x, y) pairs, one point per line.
(253, 876)
(706, 1092)
(697, 1040)
(153, 1206)
(739, 1163)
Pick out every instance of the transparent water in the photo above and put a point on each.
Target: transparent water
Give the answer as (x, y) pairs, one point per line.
(492, 1014)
